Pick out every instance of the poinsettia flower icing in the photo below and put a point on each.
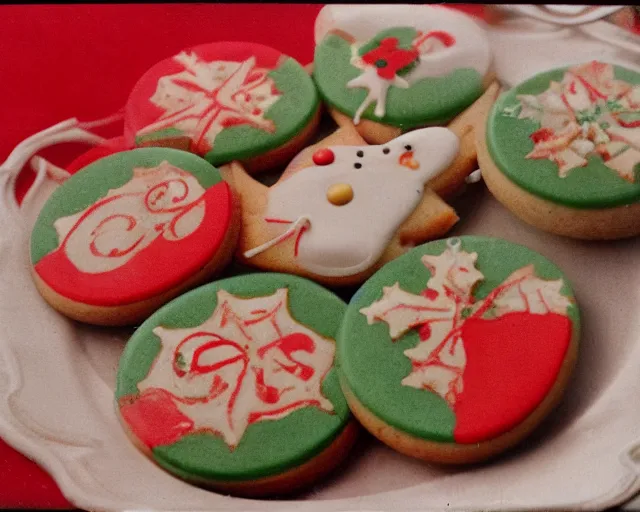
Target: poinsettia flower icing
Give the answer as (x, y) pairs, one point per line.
(588, 113)
(250, 361)
(446, 305)
(207, 97)
(159, 201)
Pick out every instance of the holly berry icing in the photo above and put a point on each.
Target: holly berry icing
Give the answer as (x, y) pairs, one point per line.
(235, 380)
(131, 226)
(344, 213)
(572, 135)
(222, 101)
(405, 66)
(459, 340)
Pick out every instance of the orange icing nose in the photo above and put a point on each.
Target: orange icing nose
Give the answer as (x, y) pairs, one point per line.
(407, 160)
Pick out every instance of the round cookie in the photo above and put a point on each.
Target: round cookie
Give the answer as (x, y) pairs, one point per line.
(341, 212)
(225, 101)
(232, 385)
(562, 151)
(399, 67)
(456, 351)
(131, 231)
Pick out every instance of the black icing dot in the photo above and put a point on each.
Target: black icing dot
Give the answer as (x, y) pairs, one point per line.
(360, 154)
(380, 63)
(357, 165)
(386, 151)
(407, 147)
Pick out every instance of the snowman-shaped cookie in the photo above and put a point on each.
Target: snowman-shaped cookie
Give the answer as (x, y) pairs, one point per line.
(353, 209)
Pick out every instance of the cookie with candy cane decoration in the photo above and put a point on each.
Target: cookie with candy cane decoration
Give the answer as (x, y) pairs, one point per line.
(562, 151)
(343, 208)
(390, 69)
(456, 351)
(131, 231)
(225, 101)
(233, 386)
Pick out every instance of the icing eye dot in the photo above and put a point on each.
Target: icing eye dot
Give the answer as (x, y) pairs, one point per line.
(323, 157)
(340, 194)
(465, 270)
(360, 154)
(407, 147)
(357, 165)
(386, 151)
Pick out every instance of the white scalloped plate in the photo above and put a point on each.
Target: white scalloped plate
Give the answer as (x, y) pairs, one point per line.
(57, 379)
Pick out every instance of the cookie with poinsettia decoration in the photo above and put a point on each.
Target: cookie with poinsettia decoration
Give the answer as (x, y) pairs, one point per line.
(562, 151)
(389, 69)
(457, 350)
(342, 208)
(225, 101)
(233, 386)
(129, 232)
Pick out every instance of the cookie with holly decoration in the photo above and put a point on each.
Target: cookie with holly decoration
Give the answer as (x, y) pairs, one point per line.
(225, 101)
(342, 208)
(232, 386)
(562, 151)
(390, 69)
(456, 351)
(130, 232)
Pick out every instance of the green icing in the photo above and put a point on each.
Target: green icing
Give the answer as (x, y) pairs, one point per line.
(373, 366)
(430, 101)
(592, 186)
(267, 447)
(94, 182)
(291, 113)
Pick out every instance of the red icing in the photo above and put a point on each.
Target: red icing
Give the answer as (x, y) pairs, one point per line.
(323, 157)
(444, 37)
(108, 148)
(390, 58)
(140, 112)
(155, 419)
(161, 266)
(512, 363)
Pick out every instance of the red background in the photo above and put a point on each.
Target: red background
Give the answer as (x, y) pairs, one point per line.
(62, 61)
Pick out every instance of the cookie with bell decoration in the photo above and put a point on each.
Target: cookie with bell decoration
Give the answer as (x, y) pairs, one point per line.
(389, 69)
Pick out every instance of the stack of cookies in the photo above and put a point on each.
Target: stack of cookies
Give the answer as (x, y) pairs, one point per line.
(451, 350)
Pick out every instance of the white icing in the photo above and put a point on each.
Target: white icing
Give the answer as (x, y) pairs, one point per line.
(161, 201)
(248, 357)
(345, 240)
(470, 51)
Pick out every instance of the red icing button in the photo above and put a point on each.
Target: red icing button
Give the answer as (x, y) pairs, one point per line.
(323, 157)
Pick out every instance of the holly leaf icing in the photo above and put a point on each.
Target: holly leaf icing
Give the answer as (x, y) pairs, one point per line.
(440, 312)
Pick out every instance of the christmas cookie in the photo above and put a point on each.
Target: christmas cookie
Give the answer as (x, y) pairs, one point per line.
(390, 69)
(345, 209)
(131, 231)
(457, 350)
(232, 386)
(562, 151)
(225, 101)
